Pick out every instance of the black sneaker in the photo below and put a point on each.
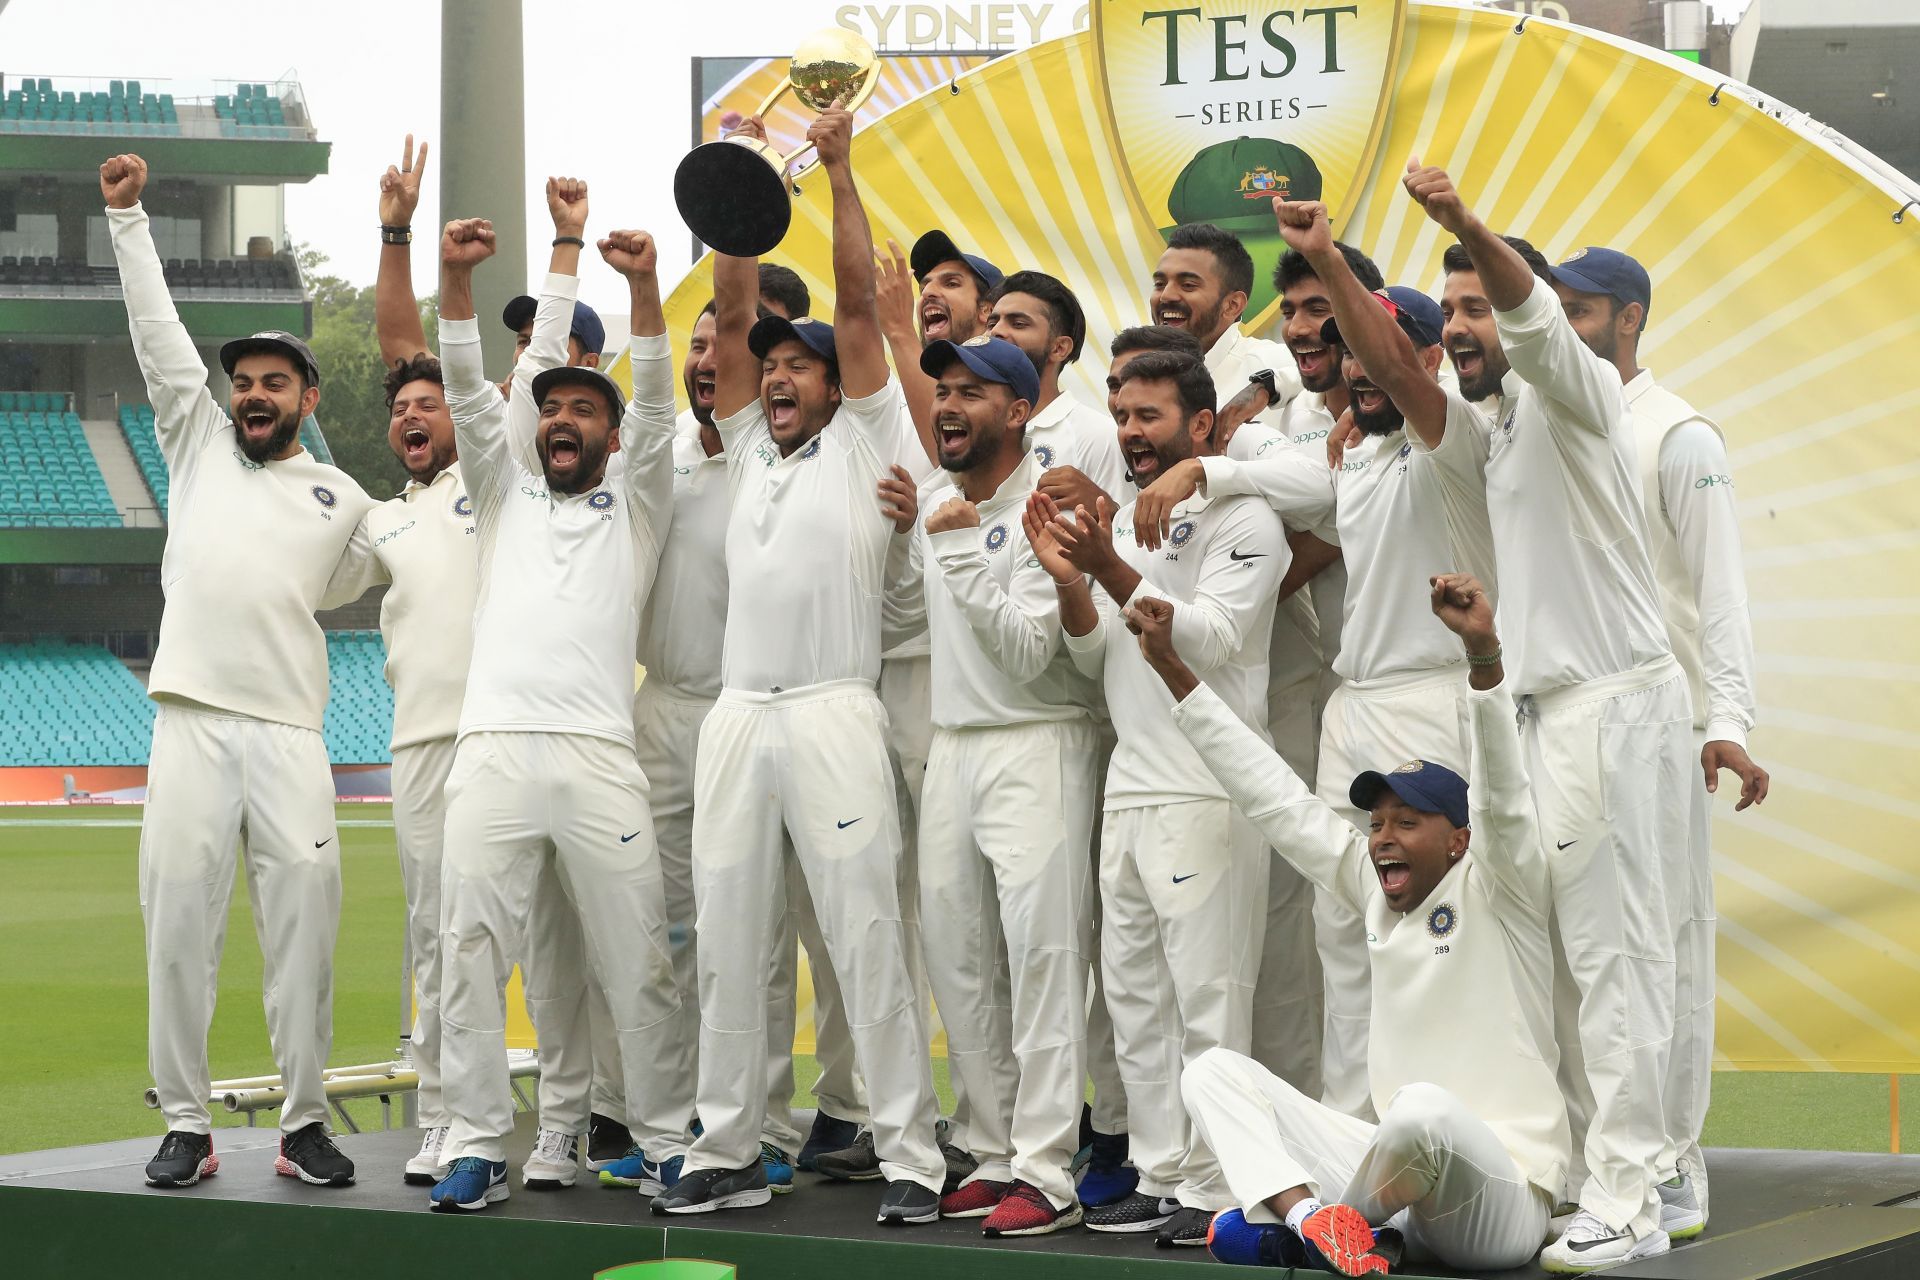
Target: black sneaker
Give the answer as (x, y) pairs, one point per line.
(960, 1163)
(309, 1155)
(607, 1141)
(705, 1190)
(1187, 1228)
(829, 1133)
(907, 1202)
(1132, 1215)
(184, 1158)
(857, 1163)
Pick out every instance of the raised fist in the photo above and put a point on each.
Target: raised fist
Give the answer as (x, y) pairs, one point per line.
(832, 134)
(631, 253)
(122, 179)
(1304, 225)
(467, 242)
(1434, 192)
(567, 202)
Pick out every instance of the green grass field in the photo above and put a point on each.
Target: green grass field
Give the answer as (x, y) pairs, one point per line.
(73, 997)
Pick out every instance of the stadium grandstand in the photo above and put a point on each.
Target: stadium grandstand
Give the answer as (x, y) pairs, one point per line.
(83, 486)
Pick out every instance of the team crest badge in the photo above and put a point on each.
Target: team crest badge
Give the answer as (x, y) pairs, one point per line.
(978, 340)
(996, 537)
(1262, 183)
(1443, 920)
(1181, 535)
(324, 496)
(463, 505)
(812, 450)
(1411, 766)
(1044, 453)
(601, 500)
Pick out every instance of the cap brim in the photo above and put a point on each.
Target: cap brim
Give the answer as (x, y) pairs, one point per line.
(518, 312)
(1571, 277)
(567, 375)
(230, 355)
(769, 332)
(1367, 788)
(937, 355)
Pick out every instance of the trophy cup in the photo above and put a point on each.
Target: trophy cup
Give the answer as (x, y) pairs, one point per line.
(734, 194)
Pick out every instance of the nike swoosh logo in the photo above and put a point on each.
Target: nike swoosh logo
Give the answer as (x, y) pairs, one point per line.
(624, 839)
(1562, 845)
(1251, 555)
(844, 825)
(321, 844)
(1581, 1246)
(1190, 875)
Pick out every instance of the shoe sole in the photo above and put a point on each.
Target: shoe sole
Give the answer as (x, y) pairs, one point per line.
(494, 1195)
(898, 1219)
(1686, 1229)
(1188, 1242)
(547, 1184)
(738, 1200)
(1071, 1218)
(1345, 1240)
(288, 1169)
(1129, 1228)
(415, 1178)
(780, 1188)
(208, 1167)
(865, 1175)
(1650, 1247)
(983, 1212)
(619, 1180)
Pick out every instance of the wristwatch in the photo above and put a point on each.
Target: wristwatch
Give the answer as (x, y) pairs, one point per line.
(1264, 378)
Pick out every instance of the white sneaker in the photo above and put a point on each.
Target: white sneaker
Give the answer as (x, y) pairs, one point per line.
(554, 1163)
(1681, 1216)
(427, 1168)
(1590, 1244)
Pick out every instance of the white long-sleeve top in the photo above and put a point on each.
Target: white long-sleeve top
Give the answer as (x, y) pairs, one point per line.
(1693, 530)
(1067, 433)
(1462, 984)
(422, 542)
(994, 616)
(563, 577)
(1220, 568)
(685, 621)
(1234, 358)
(807, 546)
(1294, 657)
(1397, 524)
(1561, 480)
(250, 546)
(1306, 423)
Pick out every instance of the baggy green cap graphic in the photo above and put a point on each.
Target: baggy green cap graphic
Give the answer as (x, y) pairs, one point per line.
(1233, 185)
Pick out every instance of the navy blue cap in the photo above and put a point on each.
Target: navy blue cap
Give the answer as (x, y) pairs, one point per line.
(278, 341)
(1428, 787)
(936, 247)
(994, 359)
(580, 375)
(1417, 315)
(1608, 271)
(586, 321)
(769, 332)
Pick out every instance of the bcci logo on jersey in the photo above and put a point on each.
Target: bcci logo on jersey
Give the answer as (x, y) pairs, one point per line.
(1181, 535)
(1442, 920)
(601, 500)
(996, 537)
(463, 506)
(1044, 453)
(325, 497)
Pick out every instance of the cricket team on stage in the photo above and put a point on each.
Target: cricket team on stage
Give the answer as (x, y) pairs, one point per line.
(1180, 749)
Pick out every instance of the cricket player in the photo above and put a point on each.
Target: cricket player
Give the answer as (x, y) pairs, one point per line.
(255, 528)
(1182, 877)
(795, 746)
(1041, 316)
(544, 771)
(1694, 539)
(1005, 874)
(1471, 1148)
(1607, 721)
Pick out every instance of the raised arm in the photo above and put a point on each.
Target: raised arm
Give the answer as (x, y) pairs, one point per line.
(647, 427)
(856, 316)
(1503, 273)
(894, 295)
(183, 409)
(1306, 832)
(479, 416)
(1376, 341)
(396, 313)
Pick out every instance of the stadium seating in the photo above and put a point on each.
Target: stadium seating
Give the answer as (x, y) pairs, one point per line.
(228, 275)
(36, 107)
(136, 424)
(49, 478)
(71, 704)
(360, 703)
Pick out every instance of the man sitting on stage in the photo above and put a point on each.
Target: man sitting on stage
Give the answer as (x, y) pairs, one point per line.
(1471, 1148)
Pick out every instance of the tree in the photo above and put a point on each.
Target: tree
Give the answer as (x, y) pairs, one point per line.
(353, 402)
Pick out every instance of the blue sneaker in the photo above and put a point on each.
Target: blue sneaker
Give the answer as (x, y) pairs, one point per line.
(1234, 1240)
(1108, 1177)
(829, 1133)
(470, 1186)
(647, 1176)
(779, 1167)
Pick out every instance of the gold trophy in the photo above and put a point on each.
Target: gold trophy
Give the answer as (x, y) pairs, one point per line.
(734, 194)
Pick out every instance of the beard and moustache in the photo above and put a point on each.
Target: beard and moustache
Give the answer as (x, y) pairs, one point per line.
(286, 429)
(581, 458)
(1382, 420)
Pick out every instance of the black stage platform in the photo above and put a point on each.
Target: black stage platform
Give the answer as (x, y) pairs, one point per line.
(84, 1212)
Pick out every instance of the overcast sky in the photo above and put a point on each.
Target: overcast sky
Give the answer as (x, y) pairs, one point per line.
(607, 95)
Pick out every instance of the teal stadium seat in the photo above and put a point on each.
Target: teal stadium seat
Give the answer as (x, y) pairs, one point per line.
(71, 704)
(136, 424)
(49, 477)
(359, 722)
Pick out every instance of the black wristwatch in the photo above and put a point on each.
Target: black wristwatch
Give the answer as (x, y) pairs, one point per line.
(395, 235)
(1264, 378)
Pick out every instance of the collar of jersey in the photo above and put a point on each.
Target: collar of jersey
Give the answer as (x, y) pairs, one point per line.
(414, 486)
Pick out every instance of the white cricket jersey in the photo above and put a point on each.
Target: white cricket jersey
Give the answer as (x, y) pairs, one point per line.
(1067, 433)
(423, 543)
(1234, 358)
(1293, 650)
(1693, 536)
(685, 620)
(1397, 525)
(1462, 984)
(1306, 422)
(563, 577)
(1562, 489)
(250, 546)
(1220, 568)
(994, 617)
(807, 545)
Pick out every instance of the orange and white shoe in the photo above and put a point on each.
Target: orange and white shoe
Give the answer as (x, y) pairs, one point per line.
(1339, 1240)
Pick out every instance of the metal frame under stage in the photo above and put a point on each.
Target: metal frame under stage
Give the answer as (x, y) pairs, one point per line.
(85, 1212)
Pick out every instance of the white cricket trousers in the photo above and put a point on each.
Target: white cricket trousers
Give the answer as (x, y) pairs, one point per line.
(1430, 1168)
(1109, 1104)
(1610, 766)
(519, 804)
(1184, 887)
(216, 783)
(1690, 1069)
(1289, 1006)
(419, 826)
(1376, 725)
(811, 764)
(1005, 890)
(838, 1089)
